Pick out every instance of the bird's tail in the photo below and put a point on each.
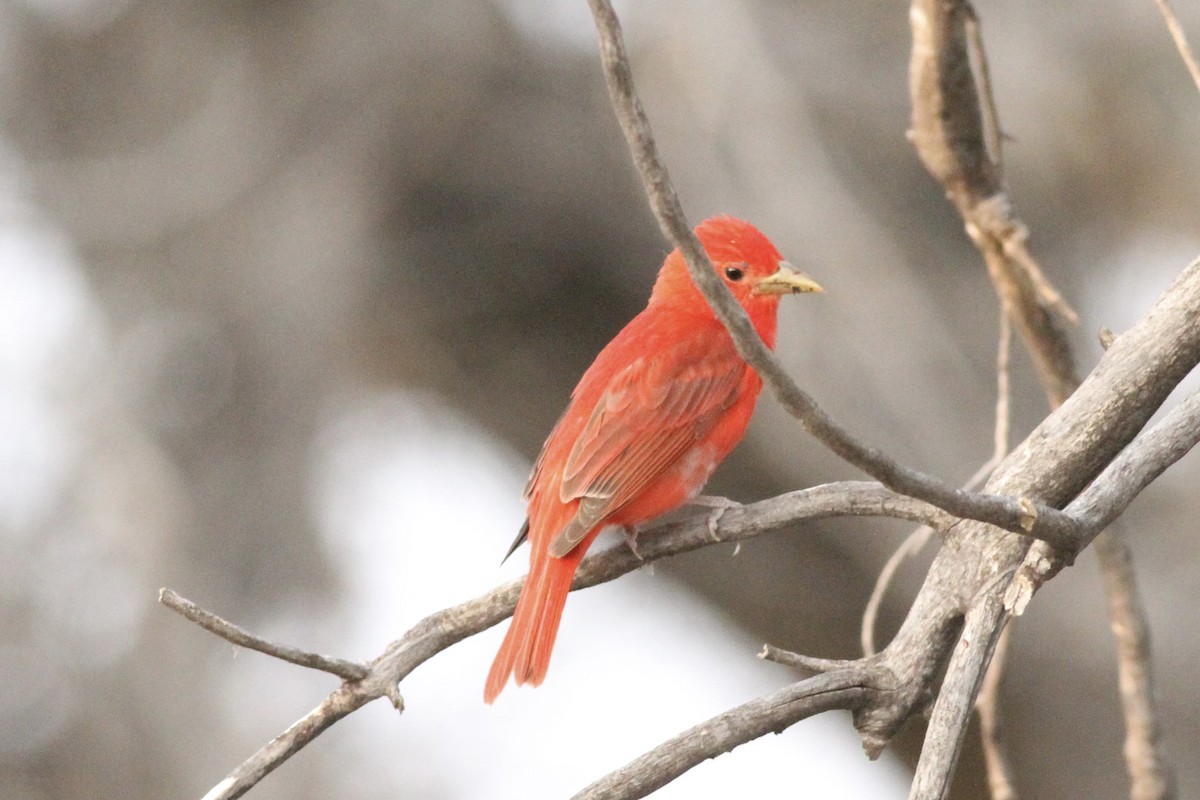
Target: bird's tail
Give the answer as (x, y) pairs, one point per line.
(525, 653)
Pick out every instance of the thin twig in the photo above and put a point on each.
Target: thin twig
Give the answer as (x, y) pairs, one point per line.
(1010, 513)
(1150, 776)
(1000, 431)
(1181, 42)
(346, 670)
(993, 136)
(814, 665)
(1001, 784)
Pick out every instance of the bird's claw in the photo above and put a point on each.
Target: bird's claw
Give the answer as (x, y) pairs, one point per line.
(631, 534)
(719, 506)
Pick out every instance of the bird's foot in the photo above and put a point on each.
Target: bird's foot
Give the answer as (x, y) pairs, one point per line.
(719, 506)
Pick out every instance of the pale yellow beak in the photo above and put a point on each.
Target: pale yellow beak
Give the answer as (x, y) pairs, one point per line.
(787, 280)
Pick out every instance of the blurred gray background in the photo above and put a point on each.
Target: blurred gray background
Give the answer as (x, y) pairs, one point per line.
(222, 219)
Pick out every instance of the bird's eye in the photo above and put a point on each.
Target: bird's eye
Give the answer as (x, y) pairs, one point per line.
(734, 273)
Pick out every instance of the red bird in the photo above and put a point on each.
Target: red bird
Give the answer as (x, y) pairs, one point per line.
(658, 410)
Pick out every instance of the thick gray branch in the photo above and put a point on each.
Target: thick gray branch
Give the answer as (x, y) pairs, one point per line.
(1110, 494)
(1065, 454)
(1126, 476)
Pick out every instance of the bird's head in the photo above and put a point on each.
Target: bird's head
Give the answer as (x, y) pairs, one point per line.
(750, 265)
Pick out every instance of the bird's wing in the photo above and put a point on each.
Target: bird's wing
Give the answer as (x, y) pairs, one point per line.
(652, 412)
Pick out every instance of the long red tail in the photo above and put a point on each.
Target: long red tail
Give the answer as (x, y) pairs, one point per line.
(525, 653)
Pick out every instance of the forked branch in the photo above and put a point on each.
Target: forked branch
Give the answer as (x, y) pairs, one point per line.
(448, 627)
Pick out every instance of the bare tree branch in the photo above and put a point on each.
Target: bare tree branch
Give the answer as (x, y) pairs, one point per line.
(1001, 431)
(1137, 466)
(956, 699)
(808, 663)
(1180, 39)
(946, 130)
(971, 575)
(346, 670)
(447, 627)
(775, 712)
(949, 134)
(1150, 775)
(1001, 783)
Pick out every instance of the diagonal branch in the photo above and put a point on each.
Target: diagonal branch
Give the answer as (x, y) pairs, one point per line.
(1137, 466)
(846, 688)
(1009, 513)
(1180, 39)
(1097, 507)
(346, 670)
(956, 700)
